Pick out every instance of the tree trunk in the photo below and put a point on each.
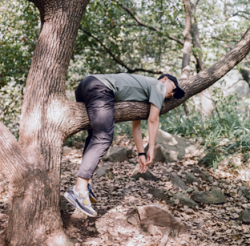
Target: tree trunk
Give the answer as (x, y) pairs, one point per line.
(34, 212)
(32, 166)
(206, 102)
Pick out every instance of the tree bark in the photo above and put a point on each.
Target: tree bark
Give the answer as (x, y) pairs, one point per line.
(206, 103)
(185, 72)
(34, 212)
(48, 118)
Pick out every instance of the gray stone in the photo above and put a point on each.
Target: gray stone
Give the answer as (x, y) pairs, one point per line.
(177, 181)
(244, 191)
(132, 220)
(159, 194)
(130, 153)
(156, 215)
(190, 178)
(245, 216)
(116, 154)
(185, 201)
(101, 171)
(147, 175)
(203, 175)
(171, 148)
(215, 196)
(66, 150)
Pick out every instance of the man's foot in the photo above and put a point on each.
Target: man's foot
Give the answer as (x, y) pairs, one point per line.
(81, 201)
(92, 196)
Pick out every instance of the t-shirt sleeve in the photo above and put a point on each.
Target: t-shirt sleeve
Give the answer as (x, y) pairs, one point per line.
(157, 93)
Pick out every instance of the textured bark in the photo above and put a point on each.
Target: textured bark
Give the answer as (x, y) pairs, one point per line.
(34, 213)
(185, 72)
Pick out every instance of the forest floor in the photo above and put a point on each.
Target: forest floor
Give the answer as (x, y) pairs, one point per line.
(117, 193)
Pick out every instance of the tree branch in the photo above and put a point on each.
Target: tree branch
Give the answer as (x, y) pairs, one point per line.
(145, 25)
(12, 163)
(118, 60)
(77, 118)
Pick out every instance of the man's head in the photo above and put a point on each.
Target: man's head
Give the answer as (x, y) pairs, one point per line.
(172, 86)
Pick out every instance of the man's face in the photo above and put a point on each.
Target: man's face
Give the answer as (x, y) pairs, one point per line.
(170, 86)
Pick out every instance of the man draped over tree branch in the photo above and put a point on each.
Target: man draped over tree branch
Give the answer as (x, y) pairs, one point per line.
(99, 92)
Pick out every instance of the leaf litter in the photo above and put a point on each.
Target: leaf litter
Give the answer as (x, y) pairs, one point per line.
(117, 194)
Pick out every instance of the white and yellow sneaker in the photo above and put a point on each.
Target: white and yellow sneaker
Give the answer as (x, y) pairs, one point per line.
(81, 201)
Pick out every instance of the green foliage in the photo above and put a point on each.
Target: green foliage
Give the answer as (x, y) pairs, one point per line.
(19, 29)
(11, 96)
(224, 134)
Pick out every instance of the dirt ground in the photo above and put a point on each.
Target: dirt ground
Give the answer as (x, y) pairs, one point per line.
(117, 193)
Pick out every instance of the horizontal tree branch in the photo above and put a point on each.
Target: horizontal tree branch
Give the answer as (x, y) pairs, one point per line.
(145, 25)
(77, 118)
(118, 60)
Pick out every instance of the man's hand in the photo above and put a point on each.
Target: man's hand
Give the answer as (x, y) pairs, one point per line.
(142, 161)
(150, 156)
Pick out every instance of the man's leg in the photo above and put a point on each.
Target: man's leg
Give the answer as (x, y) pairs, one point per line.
(102, 122)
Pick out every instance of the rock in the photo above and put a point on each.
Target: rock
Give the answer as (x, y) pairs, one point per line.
(66, 150)
(159, 194)
(204, 176)
(245, 216)
(130, 153)
(153, 230)
(190, 178)
(177, 181)
(156, 215)
(185, 201)
(215, 196)
(101, 171)
(132, 221)
(171, 148)
(147, 175)
(244, 191)
(116, 154)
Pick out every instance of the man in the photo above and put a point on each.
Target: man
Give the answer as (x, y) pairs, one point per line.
(99, 92)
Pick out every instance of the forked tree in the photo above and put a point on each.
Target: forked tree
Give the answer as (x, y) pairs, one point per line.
(32, 165)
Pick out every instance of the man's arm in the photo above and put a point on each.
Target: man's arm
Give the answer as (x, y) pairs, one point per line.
(153, 125)
(136, 130)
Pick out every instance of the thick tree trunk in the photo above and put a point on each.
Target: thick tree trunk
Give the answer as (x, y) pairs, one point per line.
(34, 213)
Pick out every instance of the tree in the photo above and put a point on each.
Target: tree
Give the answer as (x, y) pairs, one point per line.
(32, 165)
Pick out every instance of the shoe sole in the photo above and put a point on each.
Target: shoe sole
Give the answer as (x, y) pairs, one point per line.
(67, 197)
(92, 199)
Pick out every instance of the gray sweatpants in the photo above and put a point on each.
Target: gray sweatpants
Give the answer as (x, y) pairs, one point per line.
(99, 101)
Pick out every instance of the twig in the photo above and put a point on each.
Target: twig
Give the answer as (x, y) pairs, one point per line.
(117, 59)
(145, 25)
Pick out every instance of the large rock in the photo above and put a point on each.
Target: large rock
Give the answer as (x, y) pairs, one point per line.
(190, 178)
(177, 181)
(156, 215)
(215, 196)
(171, 148)
(244, 191)
(117, 154)
(245, 216)
(147, 175)
(205, 176)
(159, 194)
(185, 201)
(101, 171)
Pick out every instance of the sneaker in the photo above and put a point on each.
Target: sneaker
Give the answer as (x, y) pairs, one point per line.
(92, 196)
(81, 201)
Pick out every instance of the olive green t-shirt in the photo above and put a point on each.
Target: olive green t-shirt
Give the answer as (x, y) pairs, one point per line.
(128, 87)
